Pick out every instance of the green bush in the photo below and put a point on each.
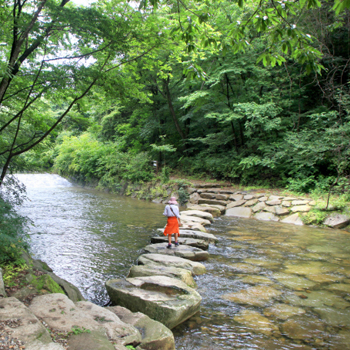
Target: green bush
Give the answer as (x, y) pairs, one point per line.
(12, 233)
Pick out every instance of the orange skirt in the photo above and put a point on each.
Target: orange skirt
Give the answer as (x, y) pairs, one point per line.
(172, 226)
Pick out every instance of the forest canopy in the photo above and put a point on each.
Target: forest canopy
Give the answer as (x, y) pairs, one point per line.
(248, 91)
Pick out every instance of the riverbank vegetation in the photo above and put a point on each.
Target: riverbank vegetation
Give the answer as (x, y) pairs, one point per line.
(253, 93)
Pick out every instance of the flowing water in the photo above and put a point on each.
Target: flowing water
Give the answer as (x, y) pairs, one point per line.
(268, 286)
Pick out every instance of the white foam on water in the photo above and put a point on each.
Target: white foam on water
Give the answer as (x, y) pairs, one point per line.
(43, 180)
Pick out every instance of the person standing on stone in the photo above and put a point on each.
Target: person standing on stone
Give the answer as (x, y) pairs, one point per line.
(171, 211)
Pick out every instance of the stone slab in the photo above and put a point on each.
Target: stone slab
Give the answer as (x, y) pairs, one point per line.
(266, 216)
(187, 218)
(293, 219)
(182, 251)
(241, 212)
(198, 243)
(195, 267)
(166, 300)
(337, 221)
(208, 237)
(173, 272)
(199, 213)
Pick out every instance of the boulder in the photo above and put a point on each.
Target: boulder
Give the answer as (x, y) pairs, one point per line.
(195, 267)
(194, 197)
(183, 251)
(166, 300)
(173, 272)
(199, 213)
(208, 237)
(154, 334)
(198, 243)
(337, 221)
(241, 212)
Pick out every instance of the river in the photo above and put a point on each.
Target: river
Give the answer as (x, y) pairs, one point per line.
(268, 286)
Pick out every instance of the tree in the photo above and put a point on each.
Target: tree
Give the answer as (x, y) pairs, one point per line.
(54, 52)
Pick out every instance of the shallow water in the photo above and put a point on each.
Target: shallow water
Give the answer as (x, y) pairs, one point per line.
(268, 285)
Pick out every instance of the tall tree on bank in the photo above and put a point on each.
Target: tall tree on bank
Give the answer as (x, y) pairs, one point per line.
(54, 51)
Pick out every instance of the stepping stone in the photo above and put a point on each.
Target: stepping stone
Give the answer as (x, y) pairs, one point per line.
(212, 210)
(173, 272)
(208, 237)
(154, 334)
(188, 218)
(195, 267)
(166, 300)
(198, 243)
(241, 212)
(301, 202)
(182, 251)
(222, 208)
(200, 214)
(258, 207)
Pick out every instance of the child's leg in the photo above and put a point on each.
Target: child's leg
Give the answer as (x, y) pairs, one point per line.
(169, 239)
(176, 236)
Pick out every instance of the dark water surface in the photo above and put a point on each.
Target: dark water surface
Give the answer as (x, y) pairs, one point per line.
(268, 286)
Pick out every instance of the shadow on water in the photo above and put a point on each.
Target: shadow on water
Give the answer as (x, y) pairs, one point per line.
(268, 286)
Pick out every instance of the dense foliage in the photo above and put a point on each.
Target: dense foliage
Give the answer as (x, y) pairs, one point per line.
(12, 225)
(253, 92)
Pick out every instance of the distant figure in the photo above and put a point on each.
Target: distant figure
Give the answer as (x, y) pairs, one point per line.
(171, 211)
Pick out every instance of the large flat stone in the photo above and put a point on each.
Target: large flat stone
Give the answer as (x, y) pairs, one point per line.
(168, 271)
(195, 267)
(237, 203)
(26, 326)
(154, 334)
(163, 299)
(208, 237)
(266, 216)
(62, 314)
(212, 210)
(182, 251)
(199, 213)
(337, 221)
(198, 243)
(301, 208)
(241, 212)
(293, 219)
(188, 218)
(212, 201)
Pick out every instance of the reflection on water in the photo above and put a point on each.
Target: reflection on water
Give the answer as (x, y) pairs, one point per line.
(268, 286)
(86, 236)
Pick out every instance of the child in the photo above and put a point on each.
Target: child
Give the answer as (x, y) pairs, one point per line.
(172, 227)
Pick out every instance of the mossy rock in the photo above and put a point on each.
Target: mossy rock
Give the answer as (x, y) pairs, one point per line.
(46, 283)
